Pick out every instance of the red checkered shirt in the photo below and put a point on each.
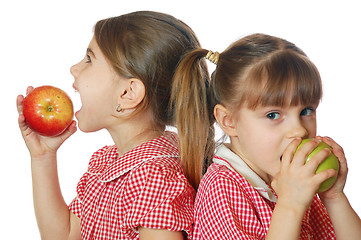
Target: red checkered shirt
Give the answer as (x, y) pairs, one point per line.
(144, 187)
(229, 207)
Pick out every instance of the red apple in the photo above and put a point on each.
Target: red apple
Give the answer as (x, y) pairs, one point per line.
(330, 162)
(48, 110)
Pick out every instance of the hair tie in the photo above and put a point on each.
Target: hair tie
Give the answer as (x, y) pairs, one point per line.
(213, 57)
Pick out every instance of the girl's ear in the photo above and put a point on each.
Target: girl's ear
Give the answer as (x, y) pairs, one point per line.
(224, 120)
(132, 93)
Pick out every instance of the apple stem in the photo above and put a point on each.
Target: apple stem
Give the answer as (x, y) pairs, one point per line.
(50, 108)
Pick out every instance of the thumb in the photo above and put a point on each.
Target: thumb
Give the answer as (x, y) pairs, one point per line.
(69, 131)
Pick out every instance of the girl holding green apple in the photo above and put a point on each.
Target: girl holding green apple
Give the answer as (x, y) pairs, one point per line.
(265, 92)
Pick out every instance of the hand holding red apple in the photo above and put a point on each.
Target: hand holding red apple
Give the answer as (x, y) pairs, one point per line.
(37, 144)
(48, 110)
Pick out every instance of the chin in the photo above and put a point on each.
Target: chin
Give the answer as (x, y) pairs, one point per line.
(83, 127)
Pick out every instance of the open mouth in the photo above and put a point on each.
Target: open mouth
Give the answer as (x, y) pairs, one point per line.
(75, 89)
(78, 100)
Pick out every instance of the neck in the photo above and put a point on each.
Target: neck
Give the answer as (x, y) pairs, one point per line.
(234, 147)
(134, 132)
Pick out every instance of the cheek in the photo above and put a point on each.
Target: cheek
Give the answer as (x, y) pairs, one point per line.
(311, 127)
(266, 146)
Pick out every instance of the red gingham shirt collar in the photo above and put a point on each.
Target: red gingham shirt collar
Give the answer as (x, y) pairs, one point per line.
(146, 151)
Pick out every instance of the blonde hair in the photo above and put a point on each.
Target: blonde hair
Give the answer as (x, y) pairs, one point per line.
(148, 46)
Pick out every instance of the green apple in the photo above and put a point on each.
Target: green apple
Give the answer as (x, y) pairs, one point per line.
(330, 162)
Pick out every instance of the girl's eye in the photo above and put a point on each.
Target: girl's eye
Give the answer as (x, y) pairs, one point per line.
(273, 115)
(88, 59)
(307, 111)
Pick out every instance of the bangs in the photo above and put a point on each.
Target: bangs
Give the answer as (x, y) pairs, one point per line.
(285, 78)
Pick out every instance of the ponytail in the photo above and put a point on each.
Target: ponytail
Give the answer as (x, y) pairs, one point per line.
(193, 115)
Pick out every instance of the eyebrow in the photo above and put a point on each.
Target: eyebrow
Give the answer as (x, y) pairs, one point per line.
(90, 52)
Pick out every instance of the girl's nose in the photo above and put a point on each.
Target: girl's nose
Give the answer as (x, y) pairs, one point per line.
(297, 130)
(74, 70)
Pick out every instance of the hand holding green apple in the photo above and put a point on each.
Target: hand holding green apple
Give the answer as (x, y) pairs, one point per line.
(48, 110)
(330, 162)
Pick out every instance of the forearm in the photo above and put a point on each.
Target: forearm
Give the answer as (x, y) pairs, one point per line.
(285, 223)
(52, 213)
(346, 222)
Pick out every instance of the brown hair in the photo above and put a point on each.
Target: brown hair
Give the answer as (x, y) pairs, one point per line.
(148, 46)
(262, 70)
(190, 80)
(256, 70)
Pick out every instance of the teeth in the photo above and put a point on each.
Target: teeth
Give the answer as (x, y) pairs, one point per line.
(75, 89)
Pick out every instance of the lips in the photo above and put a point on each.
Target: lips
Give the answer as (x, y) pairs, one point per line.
(77, 91)
(77, 113)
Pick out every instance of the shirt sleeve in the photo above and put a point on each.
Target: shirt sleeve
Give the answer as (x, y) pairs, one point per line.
(76, 205)
(320, 221)
(163, 199)
(224, 211)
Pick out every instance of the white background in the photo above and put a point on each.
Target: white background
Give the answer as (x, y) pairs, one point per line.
(40, 40)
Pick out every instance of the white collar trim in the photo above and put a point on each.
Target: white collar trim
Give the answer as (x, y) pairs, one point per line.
(235, 163)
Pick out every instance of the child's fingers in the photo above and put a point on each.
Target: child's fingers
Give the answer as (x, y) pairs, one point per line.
(29, 90)
(317, 159)
(338, 151)
(19, 103)
(341, 159)
(24, 128)
(70, 130)
(20, 99)
(324, 175)
(289, 151)
(302, 153)
(332, 143)
(21, 119)
(67, 133)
